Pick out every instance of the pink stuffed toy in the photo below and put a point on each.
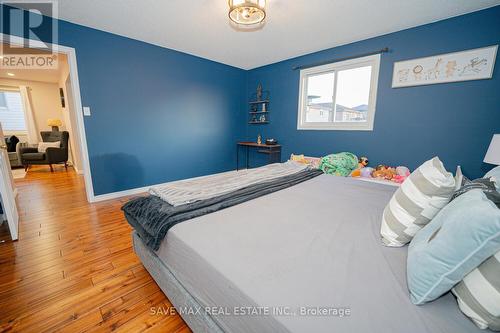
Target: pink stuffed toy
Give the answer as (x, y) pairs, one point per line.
(402, 173)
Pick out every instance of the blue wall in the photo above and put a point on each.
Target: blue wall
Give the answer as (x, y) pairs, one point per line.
(157, 114)
(160, 115)
(454, 121)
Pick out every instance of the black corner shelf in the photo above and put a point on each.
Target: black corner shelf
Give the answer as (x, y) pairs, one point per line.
(258, 104)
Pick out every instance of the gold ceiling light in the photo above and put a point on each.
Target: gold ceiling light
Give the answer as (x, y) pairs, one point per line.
(247, 12)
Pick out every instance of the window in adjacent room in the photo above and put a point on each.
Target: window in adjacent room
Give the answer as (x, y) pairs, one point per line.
(11, 111)
(339, 96)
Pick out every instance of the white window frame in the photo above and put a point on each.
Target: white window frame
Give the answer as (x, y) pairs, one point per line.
(373, 61)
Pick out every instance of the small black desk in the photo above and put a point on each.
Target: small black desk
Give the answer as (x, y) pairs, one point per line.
(273, 151)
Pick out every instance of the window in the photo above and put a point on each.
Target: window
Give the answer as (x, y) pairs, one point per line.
(11, 111)
(3, 100)
(339, 96)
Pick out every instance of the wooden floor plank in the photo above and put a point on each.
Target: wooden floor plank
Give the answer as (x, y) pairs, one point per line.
(73, 268)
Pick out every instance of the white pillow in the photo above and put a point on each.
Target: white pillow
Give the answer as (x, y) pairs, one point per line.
(495, 174)
(477, 297)
(416, 202)
(42, 146)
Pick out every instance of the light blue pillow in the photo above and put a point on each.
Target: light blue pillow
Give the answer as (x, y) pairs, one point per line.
(495, 173)
(461, 236)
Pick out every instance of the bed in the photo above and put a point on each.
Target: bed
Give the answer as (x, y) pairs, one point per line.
(290, 255)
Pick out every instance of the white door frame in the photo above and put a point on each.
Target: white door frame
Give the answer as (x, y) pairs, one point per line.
(77, 100)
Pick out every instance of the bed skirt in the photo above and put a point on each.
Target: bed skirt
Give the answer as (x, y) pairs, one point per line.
(176, 293)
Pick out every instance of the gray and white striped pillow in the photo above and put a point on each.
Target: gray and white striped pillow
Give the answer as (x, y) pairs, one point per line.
(421, 196)
(478, 294)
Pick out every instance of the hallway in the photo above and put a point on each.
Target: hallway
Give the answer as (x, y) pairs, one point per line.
(73, 268)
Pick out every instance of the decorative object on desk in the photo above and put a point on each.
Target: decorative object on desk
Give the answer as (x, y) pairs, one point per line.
(271, 142)
(259, 139)
(467, 65)
(54, 123)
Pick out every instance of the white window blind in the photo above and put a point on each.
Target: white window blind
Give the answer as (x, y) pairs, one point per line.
(11, 111)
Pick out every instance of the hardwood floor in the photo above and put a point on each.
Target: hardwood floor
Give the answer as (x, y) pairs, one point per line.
(73, 268)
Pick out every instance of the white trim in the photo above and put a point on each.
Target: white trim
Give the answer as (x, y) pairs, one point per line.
(373, 61)
(75, 85)
(119, 194)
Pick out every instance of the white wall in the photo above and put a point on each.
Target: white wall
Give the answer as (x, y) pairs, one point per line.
(46, 103)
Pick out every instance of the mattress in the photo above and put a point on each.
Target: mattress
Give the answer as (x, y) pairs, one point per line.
(305, 259)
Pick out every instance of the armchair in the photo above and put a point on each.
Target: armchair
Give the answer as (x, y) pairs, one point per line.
(30, 155)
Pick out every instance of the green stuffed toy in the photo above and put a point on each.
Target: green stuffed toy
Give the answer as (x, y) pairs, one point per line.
(341, 164)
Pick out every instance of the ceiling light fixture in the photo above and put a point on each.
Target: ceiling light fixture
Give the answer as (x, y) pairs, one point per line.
(247, 12)
(11, 74)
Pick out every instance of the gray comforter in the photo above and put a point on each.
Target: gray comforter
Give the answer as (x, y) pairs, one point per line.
(313, 245)
(152, 217)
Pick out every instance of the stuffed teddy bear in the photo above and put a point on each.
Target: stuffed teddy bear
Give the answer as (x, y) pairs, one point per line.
(384, 172)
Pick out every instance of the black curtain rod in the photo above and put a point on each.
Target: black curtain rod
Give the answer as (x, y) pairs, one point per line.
(384, 50)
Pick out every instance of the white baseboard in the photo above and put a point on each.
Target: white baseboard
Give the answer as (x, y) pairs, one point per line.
(139, 190)
(116, 195)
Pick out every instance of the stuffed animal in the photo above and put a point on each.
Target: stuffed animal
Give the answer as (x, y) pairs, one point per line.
(298, 158)
(362, 163)
(384, 172)
(367, 172)
(402, 173)
(313, 162)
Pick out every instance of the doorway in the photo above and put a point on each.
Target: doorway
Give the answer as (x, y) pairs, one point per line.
(68, 95)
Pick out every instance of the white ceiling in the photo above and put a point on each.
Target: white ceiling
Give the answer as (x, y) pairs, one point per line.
(40, 75)
(293, 27)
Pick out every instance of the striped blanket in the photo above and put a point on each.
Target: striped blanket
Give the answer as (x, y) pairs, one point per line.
(191, 190)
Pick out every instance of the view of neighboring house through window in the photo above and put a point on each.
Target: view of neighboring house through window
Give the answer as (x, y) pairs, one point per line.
(339, 96)
(11, 111)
